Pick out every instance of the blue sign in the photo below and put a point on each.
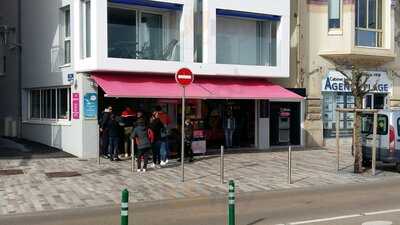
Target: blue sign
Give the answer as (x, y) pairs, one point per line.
(90, 105)
(70, 77)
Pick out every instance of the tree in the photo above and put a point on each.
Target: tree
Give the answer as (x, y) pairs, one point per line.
(358, 82)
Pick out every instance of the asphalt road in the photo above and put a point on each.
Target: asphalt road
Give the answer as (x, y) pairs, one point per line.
(339, 204)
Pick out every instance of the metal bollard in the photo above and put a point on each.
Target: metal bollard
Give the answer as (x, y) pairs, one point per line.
(290, 165)
(222, 164)
(133, 155)
(124, 207)
(231, 203)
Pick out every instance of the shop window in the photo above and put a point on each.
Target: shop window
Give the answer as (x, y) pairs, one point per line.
(246, 41)
(331, 102)
(334, 13)
(369, 23)
(375, 101)
(85, 28)
(50, 104)
(66, 34)
(136, 33)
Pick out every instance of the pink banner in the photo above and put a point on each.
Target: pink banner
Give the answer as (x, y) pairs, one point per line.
(75, 106)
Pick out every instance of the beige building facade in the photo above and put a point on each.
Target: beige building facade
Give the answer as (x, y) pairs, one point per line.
(332, 34)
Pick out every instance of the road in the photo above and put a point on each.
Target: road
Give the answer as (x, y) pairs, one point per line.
(339, 204)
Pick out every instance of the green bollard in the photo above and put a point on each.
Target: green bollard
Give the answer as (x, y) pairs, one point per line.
(231, 203)
(124, 207)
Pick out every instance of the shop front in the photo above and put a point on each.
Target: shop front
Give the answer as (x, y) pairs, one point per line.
(211, 102)
(337, 94)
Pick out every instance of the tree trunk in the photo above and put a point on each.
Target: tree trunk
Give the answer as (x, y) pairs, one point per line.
(357, 136)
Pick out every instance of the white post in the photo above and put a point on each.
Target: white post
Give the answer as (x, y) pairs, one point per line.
(133, 154)
(222, 164)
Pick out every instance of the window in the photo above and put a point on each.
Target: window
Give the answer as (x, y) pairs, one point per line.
(143, 34)
(246, 41)
(375, 101)
(51, 103)
(369, 23)
(3, 61)
(367, 122)
(331, 102)
(334, 8)
(67, 35)
(86, 26)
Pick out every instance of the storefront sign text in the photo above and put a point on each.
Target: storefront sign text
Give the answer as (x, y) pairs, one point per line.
(334, 81)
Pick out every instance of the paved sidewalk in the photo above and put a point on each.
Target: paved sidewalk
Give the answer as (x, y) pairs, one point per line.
(101, 184)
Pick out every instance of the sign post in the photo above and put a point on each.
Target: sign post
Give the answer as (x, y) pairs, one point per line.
(183, 77)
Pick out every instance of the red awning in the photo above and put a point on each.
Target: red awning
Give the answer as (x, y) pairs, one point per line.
(203, 87)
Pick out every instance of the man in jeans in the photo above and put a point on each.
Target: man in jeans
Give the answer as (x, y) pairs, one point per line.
(229, 128)
(113, 133)
(155, 126)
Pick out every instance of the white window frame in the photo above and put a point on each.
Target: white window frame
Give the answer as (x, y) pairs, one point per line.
(336, 29)
(378, 31)
(51, 120)
(84, 29)
(66, 38)
(138, 12)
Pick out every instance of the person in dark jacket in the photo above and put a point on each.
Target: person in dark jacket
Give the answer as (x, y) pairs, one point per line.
(114, 137)
(140, 135)
(105, 116)
(155, 126)
(188, 141)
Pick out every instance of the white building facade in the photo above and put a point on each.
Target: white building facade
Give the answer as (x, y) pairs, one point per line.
(75, 50)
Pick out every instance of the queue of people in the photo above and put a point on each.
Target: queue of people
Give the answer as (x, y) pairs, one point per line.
(150, 137)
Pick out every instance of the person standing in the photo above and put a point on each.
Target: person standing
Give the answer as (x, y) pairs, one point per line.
(229, 128)
(188, 139)
(164, 144)
(140, 135)
(105, 117)
(114, 136)
(127, 116)
(155, 126)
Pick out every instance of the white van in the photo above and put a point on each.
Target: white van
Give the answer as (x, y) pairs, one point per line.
(388, 137)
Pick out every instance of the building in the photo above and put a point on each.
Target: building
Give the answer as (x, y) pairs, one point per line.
(333, 34)
(81, 56)
(10, 72)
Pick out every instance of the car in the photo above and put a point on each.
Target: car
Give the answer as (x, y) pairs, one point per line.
(387, 138)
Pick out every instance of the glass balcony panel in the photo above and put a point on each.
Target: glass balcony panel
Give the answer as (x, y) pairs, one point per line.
(142, 33)
(246, 41)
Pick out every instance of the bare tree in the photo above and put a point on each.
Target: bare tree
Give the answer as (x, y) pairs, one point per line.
(358, 82)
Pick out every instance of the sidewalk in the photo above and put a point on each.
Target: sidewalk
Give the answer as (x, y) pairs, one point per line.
(101, 184)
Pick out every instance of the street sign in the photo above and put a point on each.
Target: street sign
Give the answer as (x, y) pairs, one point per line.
(184, 77)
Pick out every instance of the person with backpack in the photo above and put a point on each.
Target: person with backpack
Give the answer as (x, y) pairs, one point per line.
(141, 136)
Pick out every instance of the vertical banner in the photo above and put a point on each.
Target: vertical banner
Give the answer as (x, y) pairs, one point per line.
(75, 106)
(90, 105)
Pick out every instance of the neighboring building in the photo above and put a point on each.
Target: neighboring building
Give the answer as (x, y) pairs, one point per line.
(9, 69)
(343, 33)
(80, 56)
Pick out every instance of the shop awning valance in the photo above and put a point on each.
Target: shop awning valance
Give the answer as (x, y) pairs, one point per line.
(203, 87)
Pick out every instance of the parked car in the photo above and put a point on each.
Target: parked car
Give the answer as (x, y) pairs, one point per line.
(387, 138)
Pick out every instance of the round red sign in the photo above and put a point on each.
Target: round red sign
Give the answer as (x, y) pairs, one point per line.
(184, 76)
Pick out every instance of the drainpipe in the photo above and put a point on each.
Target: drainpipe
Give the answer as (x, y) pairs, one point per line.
(300, 79)
(19, 55)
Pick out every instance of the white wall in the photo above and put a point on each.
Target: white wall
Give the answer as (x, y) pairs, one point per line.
(43, 67)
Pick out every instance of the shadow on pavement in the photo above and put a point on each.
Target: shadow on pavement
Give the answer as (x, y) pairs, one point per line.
(13, 148)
